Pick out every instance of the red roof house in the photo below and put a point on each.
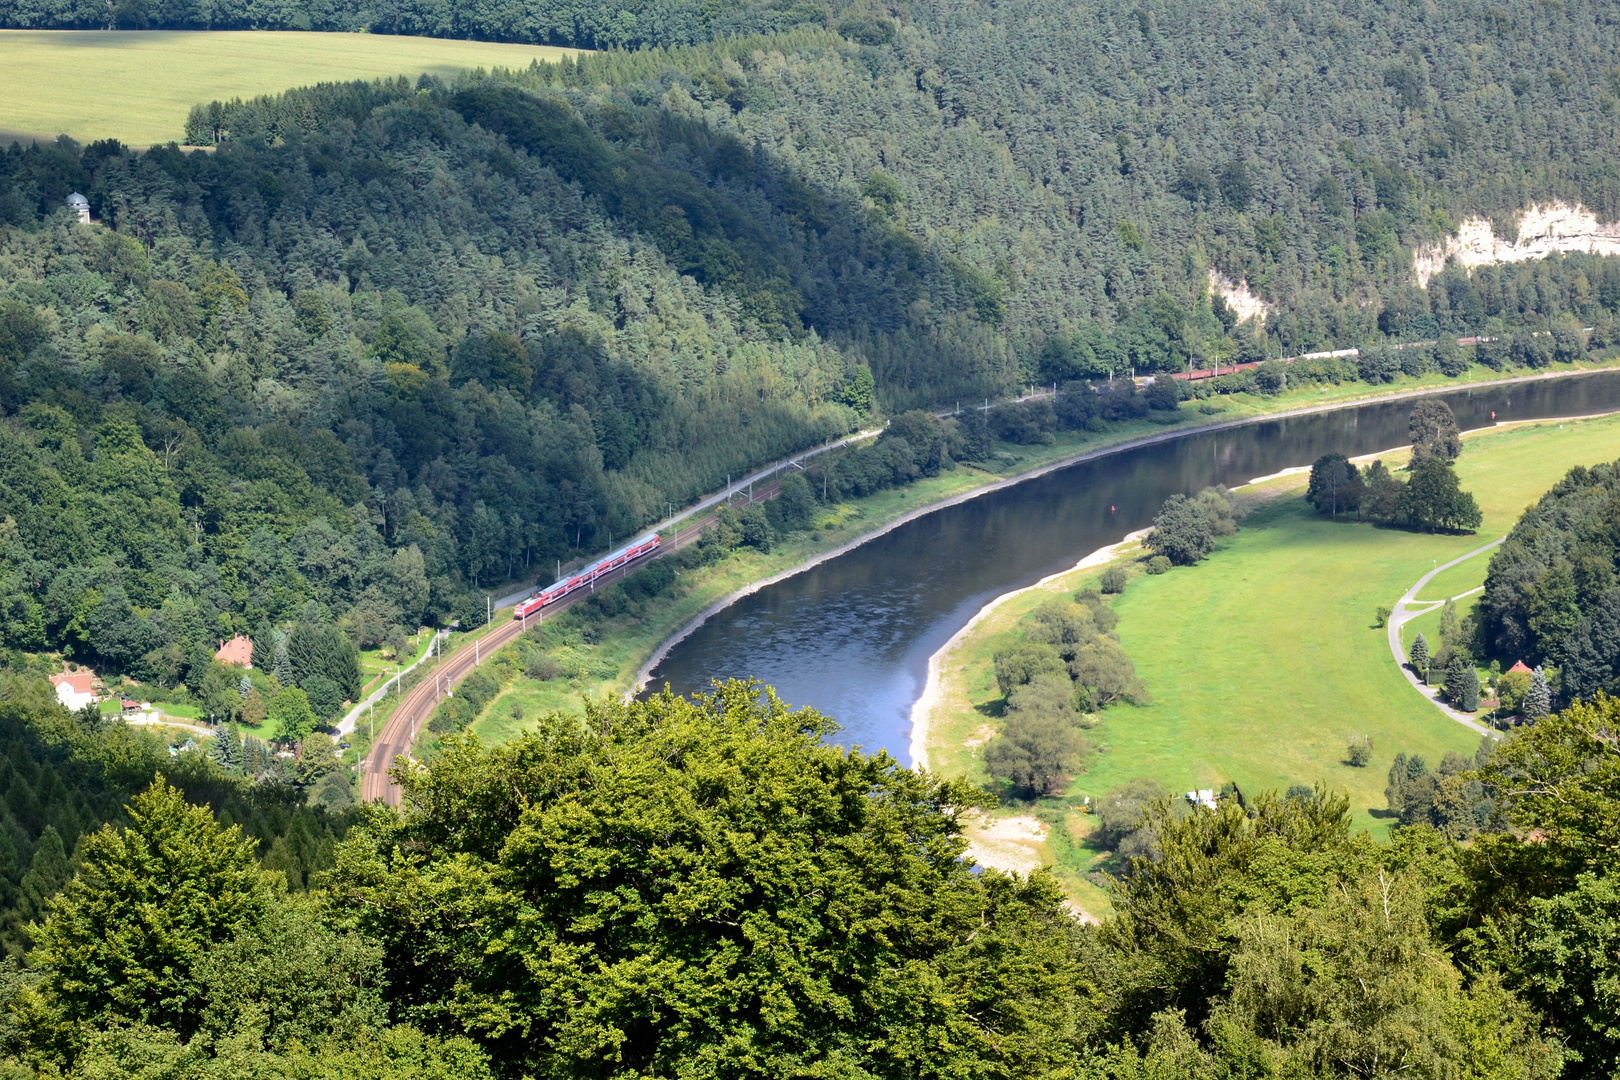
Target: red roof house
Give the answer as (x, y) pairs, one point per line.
(238, 650)
(1518, 665)
(75, 689)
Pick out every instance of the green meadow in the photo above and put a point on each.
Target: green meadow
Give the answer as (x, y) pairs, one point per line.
(1264, 660)
(137, 85)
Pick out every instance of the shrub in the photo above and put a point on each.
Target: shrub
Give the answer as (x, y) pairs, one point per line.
(1037, 754)
(1114, 580)
(1019, 664)
(542, 667)
(1120, 811)
(1381, 615)
(1360, 751)
(1158, 564)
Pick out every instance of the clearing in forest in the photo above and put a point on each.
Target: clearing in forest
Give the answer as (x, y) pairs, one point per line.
(136, 86)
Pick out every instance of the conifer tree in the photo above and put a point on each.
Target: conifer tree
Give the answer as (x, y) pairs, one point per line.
(282, 667)
(1419, 655)
(1468, 689)
(1455, 678)
(245, 686)
(227, 753)
(1538, 699)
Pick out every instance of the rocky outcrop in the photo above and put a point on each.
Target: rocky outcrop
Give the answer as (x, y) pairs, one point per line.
(1239, 298)
(1542, 231)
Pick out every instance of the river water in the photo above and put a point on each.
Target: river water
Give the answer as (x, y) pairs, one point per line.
(852, 637)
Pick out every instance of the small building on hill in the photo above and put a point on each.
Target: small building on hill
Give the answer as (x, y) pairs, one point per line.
(238, 650)
(80, 206)
(1518, 665)
(75, 689)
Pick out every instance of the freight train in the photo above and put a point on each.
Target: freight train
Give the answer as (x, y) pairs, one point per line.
(583, 579)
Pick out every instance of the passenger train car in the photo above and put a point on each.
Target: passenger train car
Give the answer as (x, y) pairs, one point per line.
(583, 579)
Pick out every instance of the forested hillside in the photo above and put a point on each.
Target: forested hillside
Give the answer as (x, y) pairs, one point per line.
(391, 344)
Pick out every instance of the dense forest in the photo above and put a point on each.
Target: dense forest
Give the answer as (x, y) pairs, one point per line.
(707, 888)
(1551, 596)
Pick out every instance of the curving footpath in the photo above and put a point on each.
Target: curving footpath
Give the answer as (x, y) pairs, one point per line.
(1401, 616)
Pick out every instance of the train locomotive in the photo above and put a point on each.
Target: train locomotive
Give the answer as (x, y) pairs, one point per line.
(583, 579)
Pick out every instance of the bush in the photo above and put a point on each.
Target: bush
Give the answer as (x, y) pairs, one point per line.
(1159, 564)
(1114, 580)
(1381, 615)
(542, 667)
(1449, 359)
(1163, 393)
(1119, 812)
(1037, 753)
(1020, 663)
(1360, 751)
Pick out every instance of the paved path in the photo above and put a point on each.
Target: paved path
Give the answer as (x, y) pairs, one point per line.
(346, 725)
(1401, 616)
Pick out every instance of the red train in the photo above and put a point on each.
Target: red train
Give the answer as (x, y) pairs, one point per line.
(583, 578)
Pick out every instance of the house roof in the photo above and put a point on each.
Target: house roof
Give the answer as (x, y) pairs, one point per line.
(1518, 665)
(238, 650)
(77, 681)
(76, 200)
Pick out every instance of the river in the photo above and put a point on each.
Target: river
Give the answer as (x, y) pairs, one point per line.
(852, 636)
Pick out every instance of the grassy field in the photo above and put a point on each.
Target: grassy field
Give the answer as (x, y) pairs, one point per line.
(137, 86)
(1263, 660)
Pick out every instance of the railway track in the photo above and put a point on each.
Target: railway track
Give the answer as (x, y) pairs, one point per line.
(400, 733)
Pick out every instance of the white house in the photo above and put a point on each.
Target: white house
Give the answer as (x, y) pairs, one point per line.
(80, 206)
(1204, 797)
(74, 689)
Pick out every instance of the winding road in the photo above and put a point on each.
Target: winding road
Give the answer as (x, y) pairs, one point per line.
(1400, 616)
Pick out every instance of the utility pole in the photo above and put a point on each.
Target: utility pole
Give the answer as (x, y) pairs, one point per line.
(489, 612)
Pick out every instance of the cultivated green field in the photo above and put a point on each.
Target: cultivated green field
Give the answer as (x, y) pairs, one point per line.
(137, 86)
(1263, 660)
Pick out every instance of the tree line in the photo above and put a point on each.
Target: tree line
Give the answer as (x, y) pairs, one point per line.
(1430, 499)
(589, 25)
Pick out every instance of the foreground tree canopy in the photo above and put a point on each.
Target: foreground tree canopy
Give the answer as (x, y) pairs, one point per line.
(703, 888)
